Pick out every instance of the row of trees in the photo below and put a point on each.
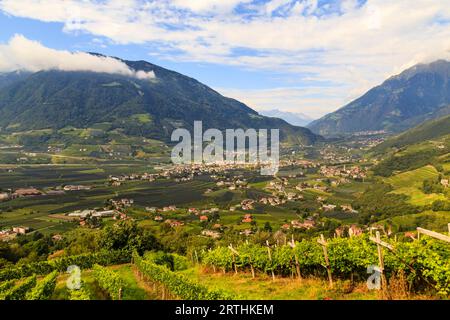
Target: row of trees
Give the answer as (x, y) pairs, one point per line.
(109, 281)
(176, 283)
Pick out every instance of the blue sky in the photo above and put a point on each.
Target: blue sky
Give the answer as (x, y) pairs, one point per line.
(303, 56)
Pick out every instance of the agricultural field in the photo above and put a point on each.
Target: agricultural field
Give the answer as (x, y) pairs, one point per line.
(410, 183)
(191, 213)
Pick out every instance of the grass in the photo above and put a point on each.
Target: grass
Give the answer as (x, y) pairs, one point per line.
(263, 287)
(410, 183)
(413, 178)
(436, 221)
(135, 288)
(418, 198)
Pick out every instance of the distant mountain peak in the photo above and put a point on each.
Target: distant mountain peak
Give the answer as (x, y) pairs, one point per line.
(57, 99)
(440, 66)
(417, 94)
(294, 118)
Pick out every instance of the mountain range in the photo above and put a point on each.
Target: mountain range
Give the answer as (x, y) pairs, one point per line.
(401, 102)
(294, 118)
(152, 108)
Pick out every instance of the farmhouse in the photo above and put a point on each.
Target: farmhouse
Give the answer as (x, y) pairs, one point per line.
(174, 223)
(105, 213)
(445, 182)
(246, 232)
(307, 224)
(286, 226)
(247, 204)
(21, 230)
(82, 214)
(348, 208)
(247, 218)
(4, 196)
(212, 234)
(7, 235)
(169, 208)
(121, 203)
(328, 207)
(203, 218)
(26, 192)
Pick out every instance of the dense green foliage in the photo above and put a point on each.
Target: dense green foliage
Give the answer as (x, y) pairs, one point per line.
(440, 205)
(84, 261)
(109, 281)
(377, 203)
(432, 186)
(404, 162)
(80, 294)
(126, 235)
(44, 288)
(430, 259)
(19, 291)
(6, 285)
(177, 284)
(173, 261)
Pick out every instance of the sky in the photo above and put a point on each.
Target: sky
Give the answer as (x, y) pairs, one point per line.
(307, 56)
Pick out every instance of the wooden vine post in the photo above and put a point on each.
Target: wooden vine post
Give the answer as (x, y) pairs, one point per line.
(196, 256)
(324, 245)
(270, 258)
(380, 245)
(297, 264)
(433, 234)
(234, 253)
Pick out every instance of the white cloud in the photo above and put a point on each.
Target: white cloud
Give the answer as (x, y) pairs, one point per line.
(354, 49)
(21, 53)
(203, 6)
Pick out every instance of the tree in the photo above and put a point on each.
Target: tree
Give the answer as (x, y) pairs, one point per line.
(128, 236)
(267, 227)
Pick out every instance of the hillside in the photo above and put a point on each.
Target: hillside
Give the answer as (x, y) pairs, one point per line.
(401, 102)
(149, 108)
(429, 130)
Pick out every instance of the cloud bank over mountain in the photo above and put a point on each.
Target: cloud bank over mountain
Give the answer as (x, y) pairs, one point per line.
(21, 53)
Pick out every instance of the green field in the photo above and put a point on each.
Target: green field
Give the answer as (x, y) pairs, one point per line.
(264, 288)
(409, 183)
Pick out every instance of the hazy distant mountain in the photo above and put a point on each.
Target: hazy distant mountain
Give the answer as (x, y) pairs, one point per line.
(149, 108)
(401, 102)
(294, 118)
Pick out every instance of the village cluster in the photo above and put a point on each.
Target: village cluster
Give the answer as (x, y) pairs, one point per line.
(279, 191)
